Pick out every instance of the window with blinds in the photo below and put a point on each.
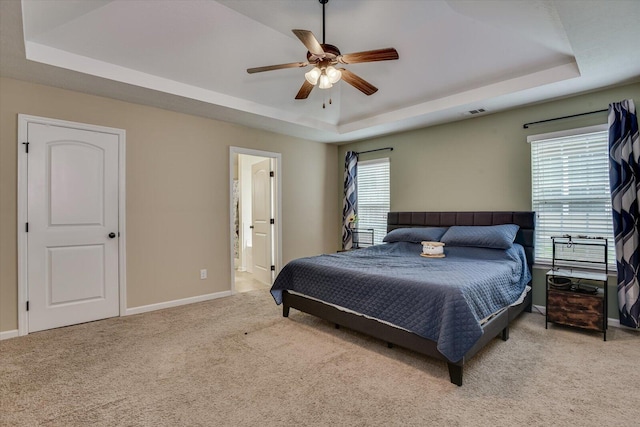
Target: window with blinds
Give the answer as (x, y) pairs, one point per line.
(374, 197)
(570, 188)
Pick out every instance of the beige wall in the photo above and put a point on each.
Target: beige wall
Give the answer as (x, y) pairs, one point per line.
(177, 181)
(177, 192)
(482, 163)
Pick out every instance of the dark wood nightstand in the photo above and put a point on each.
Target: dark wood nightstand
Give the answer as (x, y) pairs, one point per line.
(574, 308)
(575, 296)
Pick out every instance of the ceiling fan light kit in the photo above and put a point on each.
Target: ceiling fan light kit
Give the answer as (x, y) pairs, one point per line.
(324, 57)
(326, 76)
(333, 73)
(324, 82)
(313, 75)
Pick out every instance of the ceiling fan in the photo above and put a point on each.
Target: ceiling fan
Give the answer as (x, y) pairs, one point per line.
(325, 57)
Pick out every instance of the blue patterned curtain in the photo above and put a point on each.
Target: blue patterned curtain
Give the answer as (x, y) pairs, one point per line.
(624, 176)
(350, 203)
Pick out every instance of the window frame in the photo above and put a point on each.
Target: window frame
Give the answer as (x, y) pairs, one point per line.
(544, 260)
(379, 233)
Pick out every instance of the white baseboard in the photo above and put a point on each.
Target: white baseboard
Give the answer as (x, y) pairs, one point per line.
(611, 322)
(175, 303)
(540, 309)
(5, 335)
(616, 324)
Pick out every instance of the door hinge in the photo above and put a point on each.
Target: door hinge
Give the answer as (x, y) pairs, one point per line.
(272, 221)
(27, 305)
(26, 147)
(271, 174)
(273, 268)
(26, 227)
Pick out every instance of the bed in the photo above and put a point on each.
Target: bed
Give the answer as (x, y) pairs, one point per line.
(381, 291)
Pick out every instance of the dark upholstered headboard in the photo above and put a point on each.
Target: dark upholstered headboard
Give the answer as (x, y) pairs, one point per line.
(526, 221)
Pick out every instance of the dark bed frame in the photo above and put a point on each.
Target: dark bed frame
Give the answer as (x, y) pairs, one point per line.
(498, 325)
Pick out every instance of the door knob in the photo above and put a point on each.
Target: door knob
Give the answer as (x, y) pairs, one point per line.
(251, 227)
(112, 235)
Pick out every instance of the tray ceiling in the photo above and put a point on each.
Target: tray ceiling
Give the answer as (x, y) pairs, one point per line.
(455, 56)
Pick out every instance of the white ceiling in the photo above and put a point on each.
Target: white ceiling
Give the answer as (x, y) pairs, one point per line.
(455, 56)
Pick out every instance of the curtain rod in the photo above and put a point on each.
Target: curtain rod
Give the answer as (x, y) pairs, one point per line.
(526, 125)
(377, 149)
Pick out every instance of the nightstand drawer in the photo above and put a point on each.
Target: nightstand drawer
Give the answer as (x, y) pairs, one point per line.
(575, 309)
(584, 320)
(575, 302)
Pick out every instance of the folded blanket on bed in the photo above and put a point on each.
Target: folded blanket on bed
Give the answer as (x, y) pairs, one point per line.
(442, 299)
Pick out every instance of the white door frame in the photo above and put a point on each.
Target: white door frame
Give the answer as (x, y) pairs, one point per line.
(23, 285)
(277, 230)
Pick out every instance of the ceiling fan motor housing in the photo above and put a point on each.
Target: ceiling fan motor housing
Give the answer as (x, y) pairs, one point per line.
(330, 52)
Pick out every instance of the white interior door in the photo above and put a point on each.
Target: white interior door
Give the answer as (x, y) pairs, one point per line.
(261, 220)
(72, 239)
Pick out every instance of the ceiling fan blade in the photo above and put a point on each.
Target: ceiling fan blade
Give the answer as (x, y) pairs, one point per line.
(305, 90)
(387, 54)
(358, 82)
(277, 67)
(309, 40)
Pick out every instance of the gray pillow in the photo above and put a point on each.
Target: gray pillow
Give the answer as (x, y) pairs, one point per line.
(489, 236)
(415, 234)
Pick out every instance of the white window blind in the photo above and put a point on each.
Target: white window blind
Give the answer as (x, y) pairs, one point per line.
(374, 196)
(570, 188)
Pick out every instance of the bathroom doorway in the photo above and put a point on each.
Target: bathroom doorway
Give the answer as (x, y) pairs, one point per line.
(254, 219)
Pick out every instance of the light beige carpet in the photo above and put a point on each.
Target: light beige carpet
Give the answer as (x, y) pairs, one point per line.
(236, 361)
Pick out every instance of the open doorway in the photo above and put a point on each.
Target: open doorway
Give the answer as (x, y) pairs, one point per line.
(255, 207)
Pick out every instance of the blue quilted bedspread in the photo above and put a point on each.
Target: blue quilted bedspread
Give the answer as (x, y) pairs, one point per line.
(442, 299)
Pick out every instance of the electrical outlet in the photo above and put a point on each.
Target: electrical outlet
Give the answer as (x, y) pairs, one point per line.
(203, 274)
